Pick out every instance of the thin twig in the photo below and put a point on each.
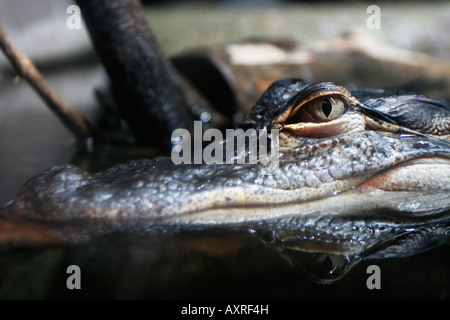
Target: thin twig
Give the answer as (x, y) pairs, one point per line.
(73, 120)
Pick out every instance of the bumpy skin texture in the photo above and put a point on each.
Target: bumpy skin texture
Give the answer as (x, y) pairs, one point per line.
(152, 191)
(273, 102)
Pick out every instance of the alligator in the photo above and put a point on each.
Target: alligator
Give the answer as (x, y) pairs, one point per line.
(360, 173)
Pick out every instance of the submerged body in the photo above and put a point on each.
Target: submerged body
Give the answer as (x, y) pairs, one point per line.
(370, 163)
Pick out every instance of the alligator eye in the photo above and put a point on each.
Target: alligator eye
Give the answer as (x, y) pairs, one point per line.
(326, 109)
(322, 109)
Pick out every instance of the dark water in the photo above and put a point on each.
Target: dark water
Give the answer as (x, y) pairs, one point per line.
(205, 265)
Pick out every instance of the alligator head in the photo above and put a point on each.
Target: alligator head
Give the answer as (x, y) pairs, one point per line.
(360, 174)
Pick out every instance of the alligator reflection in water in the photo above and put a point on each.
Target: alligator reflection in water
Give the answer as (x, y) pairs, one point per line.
(326, 248)
(362, 174)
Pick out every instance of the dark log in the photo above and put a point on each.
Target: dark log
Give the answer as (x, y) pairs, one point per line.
(143, 82)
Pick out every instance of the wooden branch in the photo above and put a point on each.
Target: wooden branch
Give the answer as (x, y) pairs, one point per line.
(70, 117)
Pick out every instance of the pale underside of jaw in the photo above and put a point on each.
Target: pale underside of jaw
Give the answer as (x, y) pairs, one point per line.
(416, 187)
(349, 203)
(414, 175)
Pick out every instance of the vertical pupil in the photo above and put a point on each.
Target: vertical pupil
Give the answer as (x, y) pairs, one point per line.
(326, 107)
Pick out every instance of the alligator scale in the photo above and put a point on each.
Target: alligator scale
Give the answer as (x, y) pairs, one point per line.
(360, 170)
